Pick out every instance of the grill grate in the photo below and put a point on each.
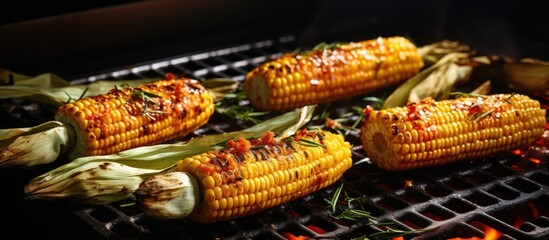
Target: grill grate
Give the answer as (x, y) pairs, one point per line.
(459, 200)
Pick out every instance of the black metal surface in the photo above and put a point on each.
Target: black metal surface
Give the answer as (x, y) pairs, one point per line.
(507, 192)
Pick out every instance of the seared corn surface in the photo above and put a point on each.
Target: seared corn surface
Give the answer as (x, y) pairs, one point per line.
(251, 176)
(432, 133)
(128, 117)
(325, 75)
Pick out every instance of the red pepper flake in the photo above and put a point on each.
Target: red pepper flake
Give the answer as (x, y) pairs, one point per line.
(242, 145)
(475, 109)
(303, 132)
(333, 124)
(290, 236)
(412, 111)
(206, 168)
(268, 138)
(316, 229)
(170, 76)
(367, 111)
(231, 143)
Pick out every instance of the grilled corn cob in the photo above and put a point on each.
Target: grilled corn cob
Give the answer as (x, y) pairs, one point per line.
(325, 75)
(121, 119)
(246, 177)
(432, 133)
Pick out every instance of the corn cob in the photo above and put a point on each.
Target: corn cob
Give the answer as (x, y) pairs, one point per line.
(121, 119)
(432, 133)
(246, 177)
(336, 73)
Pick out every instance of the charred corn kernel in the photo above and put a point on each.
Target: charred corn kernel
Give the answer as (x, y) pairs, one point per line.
(131, 117)
(276, 175)
(433, 133)
(321, 76)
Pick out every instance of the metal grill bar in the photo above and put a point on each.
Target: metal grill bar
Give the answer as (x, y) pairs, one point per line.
(457, 201)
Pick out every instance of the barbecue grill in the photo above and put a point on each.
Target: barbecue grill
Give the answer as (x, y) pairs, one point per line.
(505, 195)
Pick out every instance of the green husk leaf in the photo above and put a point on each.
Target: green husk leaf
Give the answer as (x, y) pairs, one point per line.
(219, 88)
(109, 178)
(400, 96)
(53, 90)
(432, 53)
(440, 83)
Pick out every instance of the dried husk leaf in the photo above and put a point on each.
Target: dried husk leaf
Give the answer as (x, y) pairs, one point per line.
(528, 76)
(28, 147)
(53, 90)
(401, 95)
(110, 178)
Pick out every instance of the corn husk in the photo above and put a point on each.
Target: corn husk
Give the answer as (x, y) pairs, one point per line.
(43, 144)
(528, 76)
(437, 81)
(432, 53)
(29, 147)
(111, 178)
(53, 90)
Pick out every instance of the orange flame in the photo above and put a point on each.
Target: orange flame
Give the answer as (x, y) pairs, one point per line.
(491, 234)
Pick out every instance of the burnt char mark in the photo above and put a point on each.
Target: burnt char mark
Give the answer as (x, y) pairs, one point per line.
(278, 150)
(218, 161)
(290, 145)
(239, 177)
(104, 166)
(239, 157)
(194, 86)
(263, 156)
(320, 136)
(75, 174)
(254, 154)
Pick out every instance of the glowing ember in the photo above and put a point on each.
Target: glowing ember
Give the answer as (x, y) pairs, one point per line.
(517, 152)
(408, 183)
(534, 214)
(489, 234)
(535, 160)
(316, 229)
(290, 236)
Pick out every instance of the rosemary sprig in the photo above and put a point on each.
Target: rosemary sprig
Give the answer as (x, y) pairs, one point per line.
(70, 99)
(147, 98)
(391, 232)
(462, 95)
(508, 100)
(479, 116)
(335, 198)
(309, 143)
(350, 212)
(230, 105)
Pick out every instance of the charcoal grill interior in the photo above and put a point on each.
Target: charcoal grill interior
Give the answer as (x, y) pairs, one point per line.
(507, 192)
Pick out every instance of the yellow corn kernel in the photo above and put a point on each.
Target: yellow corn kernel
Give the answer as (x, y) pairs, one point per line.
(321, 76)
(126, 118)
(453, 130)
(274, 177)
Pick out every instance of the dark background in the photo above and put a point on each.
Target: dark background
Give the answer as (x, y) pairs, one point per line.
(78, 38)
